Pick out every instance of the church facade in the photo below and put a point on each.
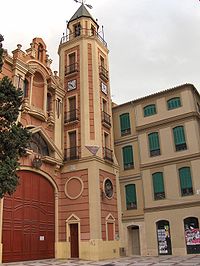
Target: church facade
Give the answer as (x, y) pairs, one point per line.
(86, 186)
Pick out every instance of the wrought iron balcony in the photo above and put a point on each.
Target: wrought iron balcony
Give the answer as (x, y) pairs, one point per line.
(106, 119)
(71, 116)
(181, 147)
(103, 73)
(159, 195)
(72, 68)
(128, 166)
(72, 153)
(108, 154)
(155, 152)
(83, 32)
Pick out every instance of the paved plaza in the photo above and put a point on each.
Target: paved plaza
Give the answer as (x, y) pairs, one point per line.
(190, 260)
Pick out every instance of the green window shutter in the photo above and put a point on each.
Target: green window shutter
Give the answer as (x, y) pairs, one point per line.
(128, 155)
(130, 195)
(185, 178)
(154, 141)
(179, 135)
(150, 110)
(124, 122)
(158, 183)
(174, 103)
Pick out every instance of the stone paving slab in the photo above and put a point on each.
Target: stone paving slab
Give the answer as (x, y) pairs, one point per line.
(189, 260)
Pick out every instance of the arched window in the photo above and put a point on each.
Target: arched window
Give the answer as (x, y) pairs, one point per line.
(174, 103)
(39, 145)
(150, 110)
(192, 235)
(40, 52)
(38, 91)
(164, 238)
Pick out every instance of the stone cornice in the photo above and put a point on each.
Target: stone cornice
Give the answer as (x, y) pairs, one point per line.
(168, 121)
(125, 140)
(185, 158)
(175, 206)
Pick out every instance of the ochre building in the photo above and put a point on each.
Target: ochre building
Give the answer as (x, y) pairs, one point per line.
(99, 180)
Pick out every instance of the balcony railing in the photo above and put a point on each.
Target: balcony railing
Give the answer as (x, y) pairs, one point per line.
(106, 118)
(83, 32)
(71, 116)
(155, 152)
(72, 153)
(103, 73)
(181, 147)
(72, 68)
(108, 154)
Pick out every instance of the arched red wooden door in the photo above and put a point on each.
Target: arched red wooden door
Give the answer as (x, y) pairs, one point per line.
(29, 220)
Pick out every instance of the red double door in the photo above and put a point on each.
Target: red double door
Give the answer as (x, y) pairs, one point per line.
(29, 220)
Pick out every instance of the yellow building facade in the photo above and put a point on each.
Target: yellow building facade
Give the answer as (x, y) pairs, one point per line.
(158, 149)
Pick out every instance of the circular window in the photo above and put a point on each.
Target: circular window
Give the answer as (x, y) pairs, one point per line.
(108, 188)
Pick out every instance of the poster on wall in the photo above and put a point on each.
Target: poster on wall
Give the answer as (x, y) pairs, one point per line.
(163, 240)
(192, 236)
(162, 243)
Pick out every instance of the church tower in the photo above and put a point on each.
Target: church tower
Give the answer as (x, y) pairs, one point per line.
(88, 210)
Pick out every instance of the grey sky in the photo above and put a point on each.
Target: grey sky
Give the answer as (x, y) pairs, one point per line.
(154, 44)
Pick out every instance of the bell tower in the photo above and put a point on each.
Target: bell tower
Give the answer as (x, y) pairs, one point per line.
(89, 217)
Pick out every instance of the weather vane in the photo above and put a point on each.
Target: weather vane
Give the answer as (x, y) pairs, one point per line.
(83, 2)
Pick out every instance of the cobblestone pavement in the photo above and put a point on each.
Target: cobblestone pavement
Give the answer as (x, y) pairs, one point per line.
(189, 260)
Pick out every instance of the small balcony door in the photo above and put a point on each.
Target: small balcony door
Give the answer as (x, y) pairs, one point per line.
(72, 108)
(72, 145)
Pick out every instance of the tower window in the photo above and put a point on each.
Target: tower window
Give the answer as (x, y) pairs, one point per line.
(72, 65)
(77, 30)
(93, 31)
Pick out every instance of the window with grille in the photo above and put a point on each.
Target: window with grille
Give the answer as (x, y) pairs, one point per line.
(128, 157)
(179, 138)
(158, 186)
(131, 198)
(185, 181)
(125, 124)
(154, 145)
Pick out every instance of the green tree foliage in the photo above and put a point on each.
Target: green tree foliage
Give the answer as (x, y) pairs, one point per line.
(14, 138)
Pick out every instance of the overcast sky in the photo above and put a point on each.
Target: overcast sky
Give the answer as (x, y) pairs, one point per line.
(154, 44)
